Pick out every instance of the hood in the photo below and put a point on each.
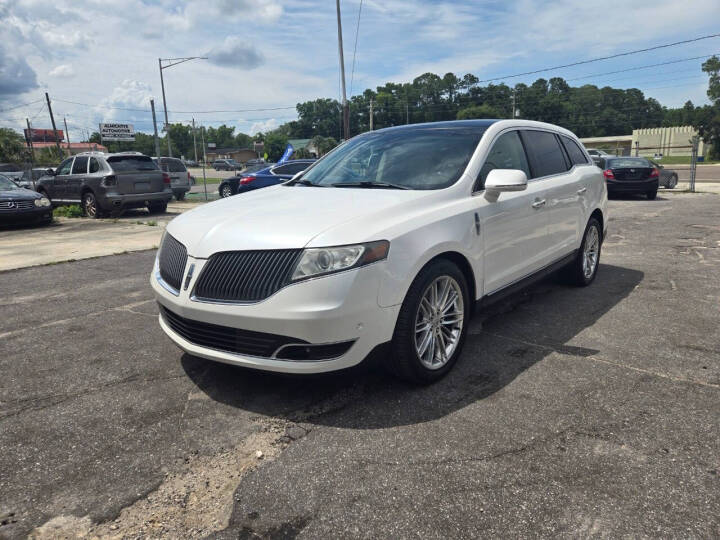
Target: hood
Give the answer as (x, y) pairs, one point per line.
(19, 195)
(283, 217)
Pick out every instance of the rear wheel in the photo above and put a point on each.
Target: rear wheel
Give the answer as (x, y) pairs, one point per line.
(225, 190)
(651, 194)
(431, 327)
(157, 207)
(583, 269)
(90, 205)
(180, 195)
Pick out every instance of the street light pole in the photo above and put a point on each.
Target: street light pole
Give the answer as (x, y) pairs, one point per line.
(346, 111)
(172, 62)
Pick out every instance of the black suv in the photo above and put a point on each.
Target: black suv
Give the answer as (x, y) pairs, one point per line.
(108, 183)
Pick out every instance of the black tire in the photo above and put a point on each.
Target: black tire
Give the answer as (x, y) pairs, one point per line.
(673, 181)
(90, 206)
(651, 194)
(157, 208)
(404, 360)
(225, 190)
(575, 272)
(180, 195)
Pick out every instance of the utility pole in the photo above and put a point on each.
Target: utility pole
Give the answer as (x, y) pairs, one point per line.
(172, 62)
(157, 141)
(32, 151)
(371, 114)
(407, 113)
(67, 136)
(346, 110)
(202, 140)
(167, 127)
(52, 120)
(194, 140)
(513, 103)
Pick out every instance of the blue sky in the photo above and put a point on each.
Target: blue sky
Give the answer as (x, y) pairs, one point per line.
(271, 54)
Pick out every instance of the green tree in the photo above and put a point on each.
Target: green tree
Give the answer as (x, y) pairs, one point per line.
(12, 147)
(707, 119)
(275, 144)
(478, 111)
(323, 144)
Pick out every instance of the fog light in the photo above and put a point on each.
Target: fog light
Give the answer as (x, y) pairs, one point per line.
(313, 352)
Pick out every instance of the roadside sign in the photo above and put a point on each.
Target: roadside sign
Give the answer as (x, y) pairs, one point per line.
(117, 132)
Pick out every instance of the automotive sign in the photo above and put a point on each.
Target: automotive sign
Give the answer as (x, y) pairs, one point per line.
(117, 132)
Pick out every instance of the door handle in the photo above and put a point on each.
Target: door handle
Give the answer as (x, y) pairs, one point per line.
(581, 191)
(538, 203)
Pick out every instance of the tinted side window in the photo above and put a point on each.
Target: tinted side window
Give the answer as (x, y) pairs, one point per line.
(94, 165)
(80, 165)
(546, 156)
(174, 165)
(291, 168)
(506, 153)
(573, 150)
(64, 167)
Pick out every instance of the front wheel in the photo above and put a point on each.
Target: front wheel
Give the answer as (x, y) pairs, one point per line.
(431, 326)
(673, 181)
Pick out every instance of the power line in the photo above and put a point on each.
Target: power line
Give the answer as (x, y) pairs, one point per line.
(618, 55)
(21, 105)
(357, 33)
(642, 67)
(174, 112)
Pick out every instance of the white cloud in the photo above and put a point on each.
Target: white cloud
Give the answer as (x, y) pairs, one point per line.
(130, 94)
(263, 127)
(63, 71)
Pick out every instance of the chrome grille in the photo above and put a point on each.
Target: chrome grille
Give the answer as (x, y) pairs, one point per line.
(172, 259)
(225, 338)
(17, 205)
(246, 276)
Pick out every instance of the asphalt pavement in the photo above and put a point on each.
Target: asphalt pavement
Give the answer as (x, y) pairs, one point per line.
(572, 412)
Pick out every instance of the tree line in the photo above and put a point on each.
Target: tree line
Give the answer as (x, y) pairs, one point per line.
(587, 110)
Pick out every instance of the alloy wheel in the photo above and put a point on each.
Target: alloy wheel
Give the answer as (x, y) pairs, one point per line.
(439, 322)
(591, 252)
(90, 205)
(226, 191)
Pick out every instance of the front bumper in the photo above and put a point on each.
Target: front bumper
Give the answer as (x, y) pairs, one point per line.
(632, 186)
(31, 215)
(336, 308)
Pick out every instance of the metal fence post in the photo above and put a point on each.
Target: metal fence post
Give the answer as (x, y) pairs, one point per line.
(693, 162)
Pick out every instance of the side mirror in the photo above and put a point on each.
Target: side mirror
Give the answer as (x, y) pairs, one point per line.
(499, 180)
(51, 172)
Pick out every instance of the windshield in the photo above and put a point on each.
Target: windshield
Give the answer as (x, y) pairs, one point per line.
(173, 165)
(6, 184)
(131, 163)
(627, 162)
(425, 158)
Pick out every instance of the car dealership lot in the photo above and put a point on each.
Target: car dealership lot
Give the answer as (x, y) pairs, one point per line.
(571, 412)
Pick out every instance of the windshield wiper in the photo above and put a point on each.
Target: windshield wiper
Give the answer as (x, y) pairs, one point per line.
(367, 184)
(304, 183)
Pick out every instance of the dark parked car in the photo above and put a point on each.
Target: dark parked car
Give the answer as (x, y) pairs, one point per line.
(29, 178)
(179, 176)
(108, 183)
(668, 178)
(13, 172)
(266, 175)
(630, 175)
(19, 205)
(226, 165)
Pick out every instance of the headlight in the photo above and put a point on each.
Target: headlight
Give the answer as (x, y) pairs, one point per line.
(321, 261)
(42, 201)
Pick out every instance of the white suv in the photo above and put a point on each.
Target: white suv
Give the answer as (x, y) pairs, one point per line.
(390, 239)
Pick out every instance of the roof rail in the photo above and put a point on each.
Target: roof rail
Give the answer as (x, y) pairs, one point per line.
(130, 153)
